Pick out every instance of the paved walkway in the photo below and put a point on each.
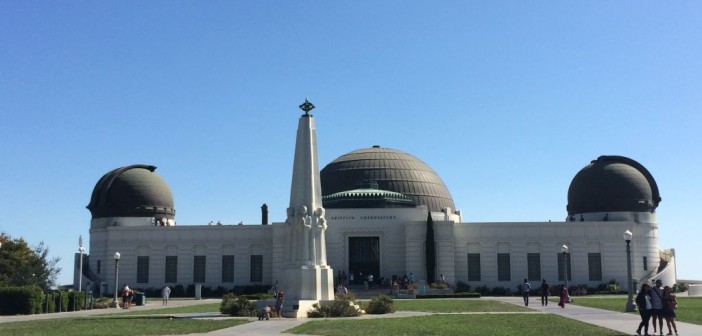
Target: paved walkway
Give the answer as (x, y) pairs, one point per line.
(622, 322)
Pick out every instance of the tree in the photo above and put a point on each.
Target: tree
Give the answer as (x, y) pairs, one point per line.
(22, 265)
(430, 250)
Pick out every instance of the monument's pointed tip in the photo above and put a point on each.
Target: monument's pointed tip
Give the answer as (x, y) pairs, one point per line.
(307, 106)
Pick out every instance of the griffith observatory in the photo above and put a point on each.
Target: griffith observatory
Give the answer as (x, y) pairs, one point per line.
(367, 212)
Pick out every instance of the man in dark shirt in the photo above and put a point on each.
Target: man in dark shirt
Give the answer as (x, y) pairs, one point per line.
(545, 291)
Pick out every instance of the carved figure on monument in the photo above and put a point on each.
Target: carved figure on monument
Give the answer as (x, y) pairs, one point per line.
(319, 237)
(305, 226)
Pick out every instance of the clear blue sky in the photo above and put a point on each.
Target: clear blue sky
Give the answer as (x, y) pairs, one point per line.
(507, 101)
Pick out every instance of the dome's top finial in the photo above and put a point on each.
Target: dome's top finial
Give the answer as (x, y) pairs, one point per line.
(307, 106)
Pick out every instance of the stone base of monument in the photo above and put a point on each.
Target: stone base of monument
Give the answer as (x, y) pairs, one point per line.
(305, 286)
(300, 308)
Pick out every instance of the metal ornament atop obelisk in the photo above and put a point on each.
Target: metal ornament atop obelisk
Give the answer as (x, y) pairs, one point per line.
(307, 278)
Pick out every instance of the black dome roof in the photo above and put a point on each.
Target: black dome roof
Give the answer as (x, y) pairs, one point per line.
(611, 184)
(132, 191)
(392, 170)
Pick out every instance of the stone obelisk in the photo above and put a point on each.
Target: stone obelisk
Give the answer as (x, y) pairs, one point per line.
(307, 278)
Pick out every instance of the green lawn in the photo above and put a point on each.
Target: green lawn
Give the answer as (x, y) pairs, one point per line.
(201, 308)
(115, 326)
(689, 308)
(464, 325)
(506, 320)
(456, 306)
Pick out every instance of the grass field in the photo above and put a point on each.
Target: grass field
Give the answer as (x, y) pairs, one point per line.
(505, 319)
(115, 326)
(456, 306)
(201, 308)
(465, 325)
(689, 308)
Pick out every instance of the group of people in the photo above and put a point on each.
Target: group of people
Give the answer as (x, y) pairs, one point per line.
(277, 308)
(563, 294)
(656, 303)
(128, 296)
(266, 312)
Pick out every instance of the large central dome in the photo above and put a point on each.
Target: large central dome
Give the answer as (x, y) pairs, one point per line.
(392, 170)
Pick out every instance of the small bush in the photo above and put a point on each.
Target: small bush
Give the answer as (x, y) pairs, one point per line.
(381, 304)
(237, 306)
(483, 290)
(462, 287)
(340, 307)
(438, 285)
(499, 291)
(680, 287)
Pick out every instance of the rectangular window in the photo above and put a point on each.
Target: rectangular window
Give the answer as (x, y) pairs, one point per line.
(503, 267)
(534, 266)
(172, 269)
(594, 264)
(256, 268)
(227, 268)
(561, 263)
(199, 268)
(98, 266)
(473, 266)
(142, 269)
(645, 265)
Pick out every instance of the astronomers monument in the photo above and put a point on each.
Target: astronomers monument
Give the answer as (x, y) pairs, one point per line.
(307, 278)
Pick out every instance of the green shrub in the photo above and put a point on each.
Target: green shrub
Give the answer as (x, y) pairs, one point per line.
(237, 306)
(76, 300)
(438, 285)
(20, 300)
(680, 287)
(499, 291)
(340, 307)
(462, 287)
(381, 304)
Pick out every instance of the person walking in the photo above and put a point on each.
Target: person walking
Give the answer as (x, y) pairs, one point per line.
(126, 293)
(670, 303)
(545, 291)
(657, 305)
(279, 303)
(165, 294)
(643, 303)
(563, 292)
(526, 289)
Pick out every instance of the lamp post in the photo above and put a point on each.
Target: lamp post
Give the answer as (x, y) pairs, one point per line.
(630, 306)
(115, 304)
(80, 263)
(564, 250)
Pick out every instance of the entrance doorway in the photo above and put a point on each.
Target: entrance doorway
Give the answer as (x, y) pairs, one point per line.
(364, 257)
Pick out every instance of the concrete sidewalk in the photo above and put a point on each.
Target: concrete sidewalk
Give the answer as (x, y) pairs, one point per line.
(623, 322)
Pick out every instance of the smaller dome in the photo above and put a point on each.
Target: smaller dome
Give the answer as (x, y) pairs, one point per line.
(612, 184)
(132, 191)
(367, 196)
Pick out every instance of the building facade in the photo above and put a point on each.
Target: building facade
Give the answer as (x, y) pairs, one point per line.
(377, 201)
